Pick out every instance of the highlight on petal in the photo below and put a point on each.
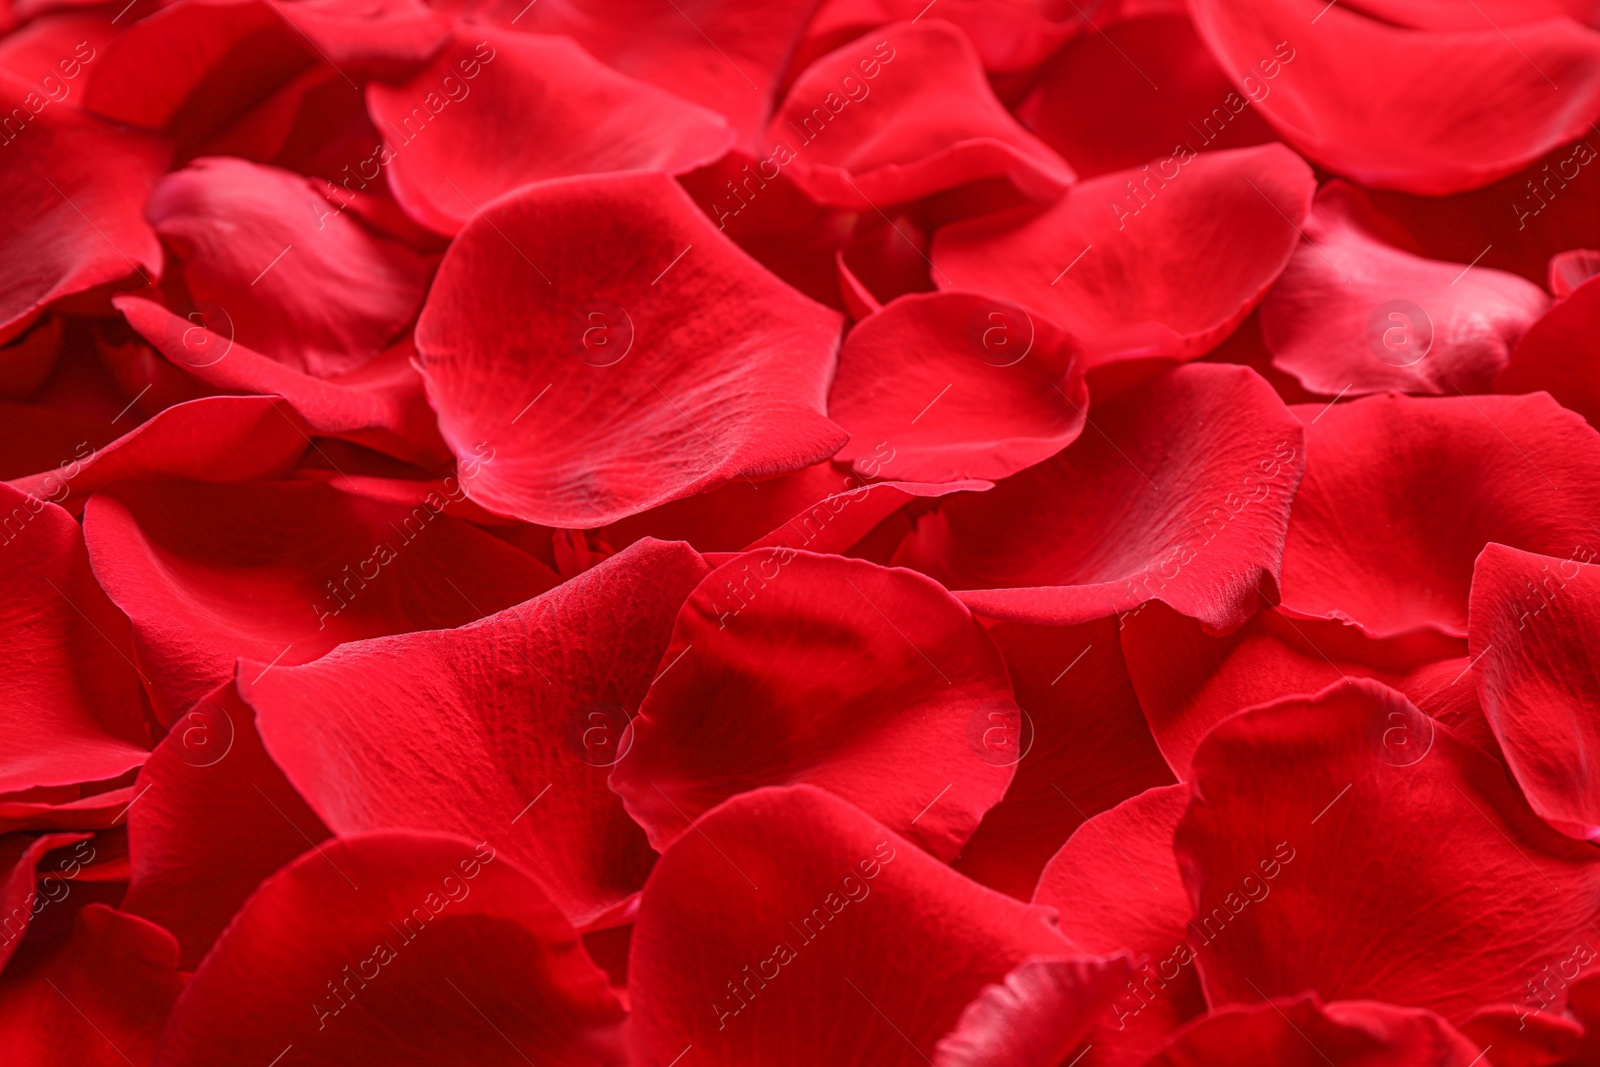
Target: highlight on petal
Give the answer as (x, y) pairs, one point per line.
(1292, 802)
(534, 704)
(672, 361)
(791, 906)
(282, 572)
(1181, 495)
(1389, 518)
(960, 386)
(215, 816)
(1423, 112)
(73, 187)
(1558, 354)
(1163, 260)
(1036, 1017)
(69, 689)
(544, 108)
(903, 113)
(1533, 631)
(295, 279)
(428, 947)
(1353, 314)
(1304, 1032)
(789, 667)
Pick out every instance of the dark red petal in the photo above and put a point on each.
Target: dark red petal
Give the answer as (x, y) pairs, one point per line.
(403, 947)
(97, 998)
(213, 439)
(74, 187)
(281, 572)
(1389, 518)
(1295, 800)
(1179, 492)
(672, 361)
(933, 123)
(1113, 262)
(96, 811)
(532, 705)
(1534, 629)
(290, 274)
(1036, 1017)
(1559, 353)
(21, 894)
(215, 816)
(1099, 105)
(380, 404)
(1303, 1032)
(1082, 747)
(1117, 887)
(1189, 681)
(1011, 38)
(1473, 106)
(512, 133)
(961, 386)
(791, 906)
(788, 667)
(1353, 314)
(69, 689)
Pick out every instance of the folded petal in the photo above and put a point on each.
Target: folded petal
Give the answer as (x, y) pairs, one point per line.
(1036, 1017)
(1181, 493)
(791, 906)
(903, 113)
(69, 687)
(21, 856)
(1296, 800)
(532, 706)
(96, 998)
(961, 385)
(1425, 112)
(295, 278)
(1534, 626)
(1303, 1032)
(1391, 515)
(673, 362)
(420, 948)
(512, 132)
(1353, 314)
(1113, 261)
(788, 667)
(74, 187)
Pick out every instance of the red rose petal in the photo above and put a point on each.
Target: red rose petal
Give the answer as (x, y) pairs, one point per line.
(1116, 267)
(1474, 892)
(510, 134)
(97, 998)
(788, 667)
(1389, 518)
(1534, 625)
(293, 277)
(1572, 268)
(1036, 1017)
(1082, 747)
(1303, 1032)
(1011, 37)
(1445, 15)
(1117, 886)
(960, 385)
(652, 396)
(1558, 354)
(282, 572)
(69, 688)
(1181, 493)
(414, 948)
(1099, 107)
(932, 123)
(21, 895)
(1464, 109)
(74, 187)
(791, 906)
(1353, 315)
(533, 705)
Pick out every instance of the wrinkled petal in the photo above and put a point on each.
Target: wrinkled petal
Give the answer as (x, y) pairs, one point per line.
(670, 370)
(1114, 260)
(788, 667)
(1181, 493)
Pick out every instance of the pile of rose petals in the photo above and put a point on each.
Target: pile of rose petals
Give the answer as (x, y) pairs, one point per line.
(674, 533)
